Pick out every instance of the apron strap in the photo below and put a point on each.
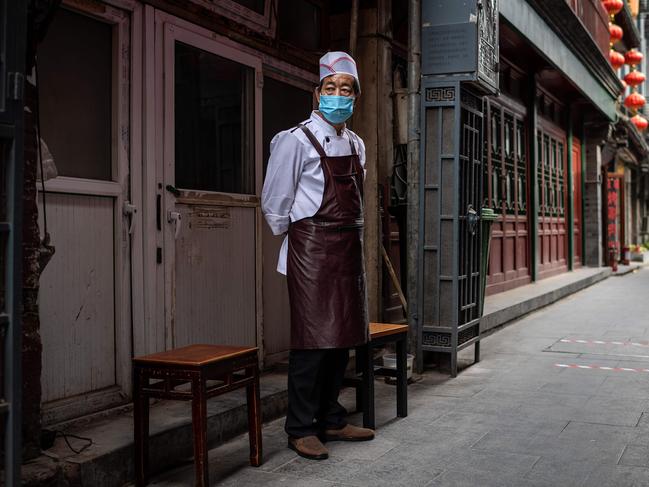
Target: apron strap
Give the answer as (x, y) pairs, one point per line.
(314, 141)
(351, 142)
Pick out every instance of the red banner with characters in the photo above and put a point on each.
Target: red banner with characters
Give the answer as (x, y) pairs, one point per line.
(612, 192)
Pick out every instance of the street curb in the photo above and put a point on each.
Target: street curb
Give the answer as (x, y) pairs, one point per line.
(629, 269)
(501, 317)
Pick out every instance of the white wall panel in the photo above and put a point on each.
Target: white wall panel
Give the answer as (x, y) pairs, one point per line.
(77, 307)
(215, 276)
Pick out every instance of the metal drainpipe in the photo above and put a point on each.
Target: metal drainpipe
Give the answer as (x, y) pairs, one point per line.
(353, 28)
(414, 83)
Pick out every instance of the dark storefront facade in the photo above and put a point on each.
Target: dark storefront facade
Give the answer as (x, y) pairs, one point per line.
(535, 134)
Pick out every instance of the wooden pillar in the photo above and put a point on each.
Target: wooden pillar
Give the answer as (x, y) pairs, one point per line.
(533, 206)
(571, 195)
(373, 123)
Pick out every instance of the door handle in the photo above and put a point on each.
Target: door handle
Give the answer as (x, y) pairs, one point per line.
(472, 219)
(176, 218)
(130, 210)
(173, 190)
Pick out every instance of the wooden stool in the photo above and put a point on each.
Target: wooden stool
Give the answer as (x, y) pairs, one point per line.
(233, 367)
(380, 334)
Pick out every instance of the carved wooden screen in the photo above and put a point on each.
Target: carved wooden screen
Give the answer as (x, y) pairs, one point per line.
(505, 191)
(551, 189)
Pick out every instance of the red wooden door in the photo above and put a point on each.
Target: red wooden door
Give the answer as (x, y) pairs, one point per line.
(552, 241)
(577, 206)
(505, 191)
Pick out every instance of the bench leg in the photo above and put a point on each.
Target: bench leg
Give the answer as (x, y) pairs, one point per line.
(402, 378)
(368, 387)
(254, 419)
(454, 364)
(141, 429)
(477, 352)
(199, 425)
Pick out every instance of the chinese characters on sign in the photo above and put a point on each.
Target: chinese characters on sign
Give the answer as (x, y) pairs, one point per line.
(613, 187)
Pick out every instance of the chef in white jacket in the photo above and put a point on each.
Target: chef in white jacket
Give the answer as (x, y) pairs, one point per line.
(313, 193)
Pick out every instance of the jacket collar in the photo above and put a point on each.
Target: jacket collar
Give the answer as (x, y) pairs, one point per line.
(323, 126)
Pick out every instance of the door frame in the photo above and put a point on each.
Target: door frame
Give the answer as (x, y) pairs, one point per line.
(125, 16)
(160, 32)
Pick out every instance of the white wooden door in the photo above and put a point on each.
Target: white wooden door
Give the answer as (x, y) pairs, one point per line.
(86, 101)
(211, 119)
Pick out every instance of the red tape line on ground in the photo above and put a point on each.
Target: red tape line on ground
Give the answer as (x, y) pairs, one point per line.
(599, 367)
(603, 342)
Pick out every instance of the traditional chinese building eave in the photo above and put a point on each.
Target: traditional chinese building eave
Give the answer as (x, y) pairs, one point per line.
(636, 150)
(558, 34)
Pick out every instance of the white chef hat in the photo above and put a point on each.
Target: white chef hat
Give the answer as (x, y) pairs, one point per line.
(338, 62)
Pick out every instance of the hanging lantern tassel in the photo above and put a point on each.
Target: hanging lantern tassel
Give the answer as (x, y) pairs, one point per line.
(640, 122)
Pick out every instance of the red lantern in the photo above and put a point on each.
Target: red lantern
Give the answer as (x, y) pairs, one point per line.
(616, 58)
(616, 32)
(634, 101)
(613, 6)
(634, 78)
(640, 122)
(633, 57)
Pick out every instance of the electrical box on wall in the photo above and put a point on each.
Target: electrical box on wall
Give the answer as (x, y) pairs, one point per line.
(460, 42)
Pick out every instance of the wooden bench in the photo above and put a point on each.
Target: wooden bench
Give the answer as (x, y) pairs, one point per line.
(159, 375)
(380, 335)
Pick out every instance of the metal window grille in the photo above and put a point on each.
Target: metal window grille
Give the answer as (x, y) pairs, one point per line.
(451, 194)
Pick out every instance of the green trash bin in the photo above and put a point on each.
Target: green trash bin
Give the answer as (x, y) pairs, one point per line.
(487, 217)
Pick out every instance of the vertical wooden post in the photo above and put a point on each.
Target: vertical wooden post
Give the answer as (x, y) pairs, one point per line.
(570, 192)
(533, 206)
(373, 123)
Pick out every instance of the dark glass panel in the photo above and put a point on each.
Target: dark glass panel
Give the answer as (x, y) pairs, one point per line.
(75, 69)
(214, 122)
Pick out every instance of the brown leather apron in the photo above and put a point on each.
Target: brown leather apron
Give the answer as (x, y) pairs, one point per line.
(325, 268)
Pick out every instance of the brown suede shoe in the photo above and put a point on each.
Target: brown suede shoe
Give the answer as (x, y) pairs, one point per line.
(349, 433)
(308, 447)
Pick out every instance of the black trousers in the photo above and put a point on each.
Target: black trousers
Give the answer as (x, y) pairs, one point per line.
(315, 378)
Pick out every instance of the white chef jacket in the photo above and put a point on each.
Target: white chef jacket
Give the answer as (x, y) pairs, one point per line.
(294, 184)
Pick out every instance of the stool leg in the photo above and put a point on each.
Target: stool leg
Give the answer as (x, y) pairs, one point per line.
(141, 428)
(402, 379)
(358, 389)
(254, 419)
(199, 425)
(368, 388)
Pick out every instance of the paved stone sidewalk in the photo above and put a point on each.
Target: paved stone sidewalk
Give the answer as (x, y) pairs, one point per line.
(539, 410)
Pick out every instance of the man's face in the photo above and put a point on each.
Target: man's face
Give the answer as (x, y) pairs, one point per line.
(337, 84)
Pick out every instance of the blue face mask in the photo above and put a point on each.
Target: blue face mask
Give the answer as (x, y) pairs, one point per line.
(336, 109)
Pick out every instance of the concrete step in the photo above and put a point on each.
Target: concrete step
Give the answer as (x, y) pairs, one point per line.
(108, 460)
